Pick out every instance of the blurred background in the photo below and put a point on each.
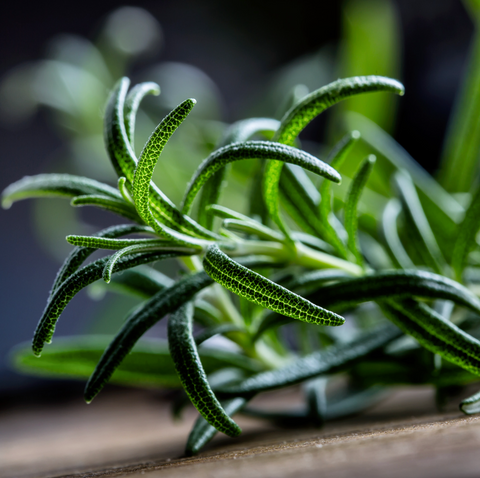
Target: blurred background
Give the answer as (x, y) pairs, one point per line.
(238, 59)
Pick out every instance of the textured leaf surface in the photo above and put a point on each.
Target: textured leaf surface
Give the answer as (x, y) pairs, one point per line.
(80, 254)
(76, 282)
(202, 432)
(334, 359)
(172, 250)
(164, 302)
(190, 371)
(250, 150)
(435, 333)
(117, 206)
(132, 102)
(262, 291)
(50, 185)
(305, 111)
(236, 133)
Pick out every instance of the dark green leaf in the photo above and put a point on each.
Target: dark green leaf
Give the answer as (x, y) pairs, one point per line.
(190, 371)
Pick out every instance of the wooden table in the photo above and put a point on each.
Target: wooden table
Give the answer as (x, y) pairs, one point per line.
(131, 433)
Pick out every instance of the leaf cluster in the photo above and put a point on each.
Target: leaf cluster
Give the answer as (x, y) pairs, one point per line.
(277, 284)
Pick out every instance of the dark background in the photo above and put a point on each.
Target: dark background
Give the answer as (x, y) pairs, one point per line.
(237, 43)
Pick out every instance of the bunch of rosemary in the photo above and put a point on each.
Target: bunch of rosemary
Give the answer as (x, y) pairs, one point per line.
(387, 264)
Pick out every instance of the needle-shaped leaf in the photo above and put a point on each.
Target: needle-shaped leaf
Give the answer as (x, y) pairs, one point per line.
(142, 248)
(149, 364)
(390, 234)
(383, 285)
(125, 162)
(236, 133)
(378, 286)
(253, 228)
(117, 206)
(351, 203)
(149, 157)
(132, 102)
(76, 282)
(335, 158)
(459, 163)
(300, 199)
(164, 302)
(202, 432)
(215, 330)
(471, 405)
(466, 234)
(305, 111)
(335, 358)
(142, 282)
(98, 242)
(435, 333)
(249, 150)
(116, 140)
(80, 254)
(447, 208)
(51, 185)
(262, 291)
(190, 371)
(124, 190)
(413, 209)
(148, 210)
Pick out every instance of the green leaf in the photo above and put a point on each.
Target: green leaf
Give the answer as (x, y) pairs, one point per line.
(149, 363)
(302, 113)
(164, 302)
(378, 286)
(249, 150)
(467, 231)
(125, 162)
(300, 199)
(446, 207)
(132, 102)
(383, 285)
(117, 206)
(190, 371)
(215, 330)
(435, 333)
(335, 158)
(125, 191)
(459, 163)
(143, 281)
(413, 209)
(80, 254)
(151, 211)
(334, 359)
(315, 395)
(351, 202)
(262, 291)
(390, 234)
(174, 250)
(51, 185)
(236, 133)
(76, 282)
(116, 140)
(253, 228)
(97, 242)
(202, 432)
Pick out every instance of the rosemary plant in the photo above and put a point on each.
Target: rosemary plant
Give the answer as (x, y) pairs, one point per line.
(247, 276)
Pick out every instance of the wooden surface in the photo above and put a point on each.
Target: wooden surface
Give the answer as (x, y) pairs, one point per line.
(131, 434)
